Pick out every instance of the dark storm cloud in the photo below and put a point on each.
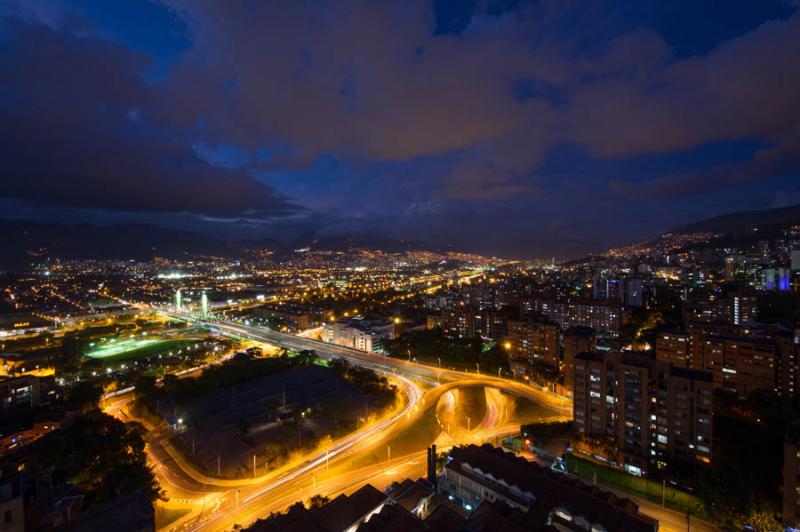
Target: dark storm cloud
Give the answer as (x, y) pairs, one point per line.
(72, 134)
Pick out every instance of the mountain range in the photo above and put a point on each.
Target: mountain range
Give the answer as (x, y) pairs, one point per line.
(30, 242)
(743, 223)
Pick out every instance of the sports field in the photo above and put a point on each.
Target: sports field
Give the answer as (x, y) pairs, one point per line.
(137, 347)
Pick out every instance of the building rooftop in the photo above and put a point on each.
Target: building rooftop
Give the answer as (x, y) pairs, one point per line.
(338, 515)
(580, 330)
(543, 490)
(393, 518)
(364, 324)
(132, 512)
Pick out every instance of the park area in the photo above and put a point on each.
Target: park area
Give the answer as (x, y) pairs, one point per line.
(270, 409)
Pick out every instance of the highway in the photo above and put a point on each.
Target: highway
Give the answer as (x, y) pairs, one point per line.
(412, 370)
(361, 457)
(218, 504)
(258, 497)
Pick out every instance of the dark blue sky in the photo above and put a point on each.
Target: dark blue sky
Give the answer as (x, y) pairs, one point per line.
(522, 128)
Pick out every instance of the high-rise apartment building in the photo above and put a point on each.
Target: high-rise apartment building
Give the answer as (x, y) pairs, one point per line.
(533, 344)
(743, 359)
(633, 292)
(791, 475)
(741, 366)
(698, 331)
(466, 322)
(576, 340)
(651, 411)
(743, 308)
(458, 323)
(604, 316)
(674, 347)
(607, 288)
(491, 323)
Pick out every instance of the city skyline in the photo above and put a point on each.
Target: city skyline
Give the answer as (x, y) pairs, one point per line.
(521, 129)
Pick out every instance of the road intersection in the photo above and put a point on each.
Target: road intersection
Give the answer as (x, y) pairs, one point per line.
(220, 503)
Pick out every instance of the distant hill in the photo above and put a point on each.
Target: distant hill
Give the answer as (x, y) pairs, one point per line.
(744, 223)
(28, 242)
(334, 243)
(263, 243)
(350, 242)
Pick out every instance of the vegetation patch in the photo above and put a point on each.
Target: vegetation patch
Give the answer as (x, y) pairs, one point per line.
(639, 486)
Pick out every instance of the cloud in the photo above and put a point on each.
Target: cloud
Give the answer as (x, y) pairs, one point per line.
(357, 79)
(365, 81)
(743, 88)
(71, 133)
(359, 107)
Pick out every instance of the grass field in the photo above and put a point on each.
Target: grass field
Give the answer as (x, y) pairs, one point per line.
(638, 486)
(137, 348)
(166, 516)
(527, 411)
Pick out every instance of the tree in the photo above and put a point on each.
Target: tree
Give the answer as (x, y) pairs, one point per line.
(145, 387)
(72, 347)
(541, 433)
(779, 308)
(242, 428)
(102, 454)
(762, 519)
(85, 394)
(318, 501)
(744, 478)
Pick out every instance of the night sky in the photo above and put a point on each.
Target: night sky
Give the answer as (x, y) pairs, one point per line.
(509, 127)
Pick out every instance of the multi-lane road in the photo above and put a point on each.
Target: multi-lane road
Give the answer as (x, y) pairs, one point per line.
(228, 502)
(219, 504)
(412, 370)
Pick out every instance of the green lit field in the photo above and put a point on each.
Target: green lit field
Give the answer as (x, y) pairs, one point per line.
(137, 348)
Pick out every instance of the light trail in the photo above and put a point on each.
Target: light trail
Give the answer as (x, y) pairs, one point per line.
(261, 494)
(379, 429)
